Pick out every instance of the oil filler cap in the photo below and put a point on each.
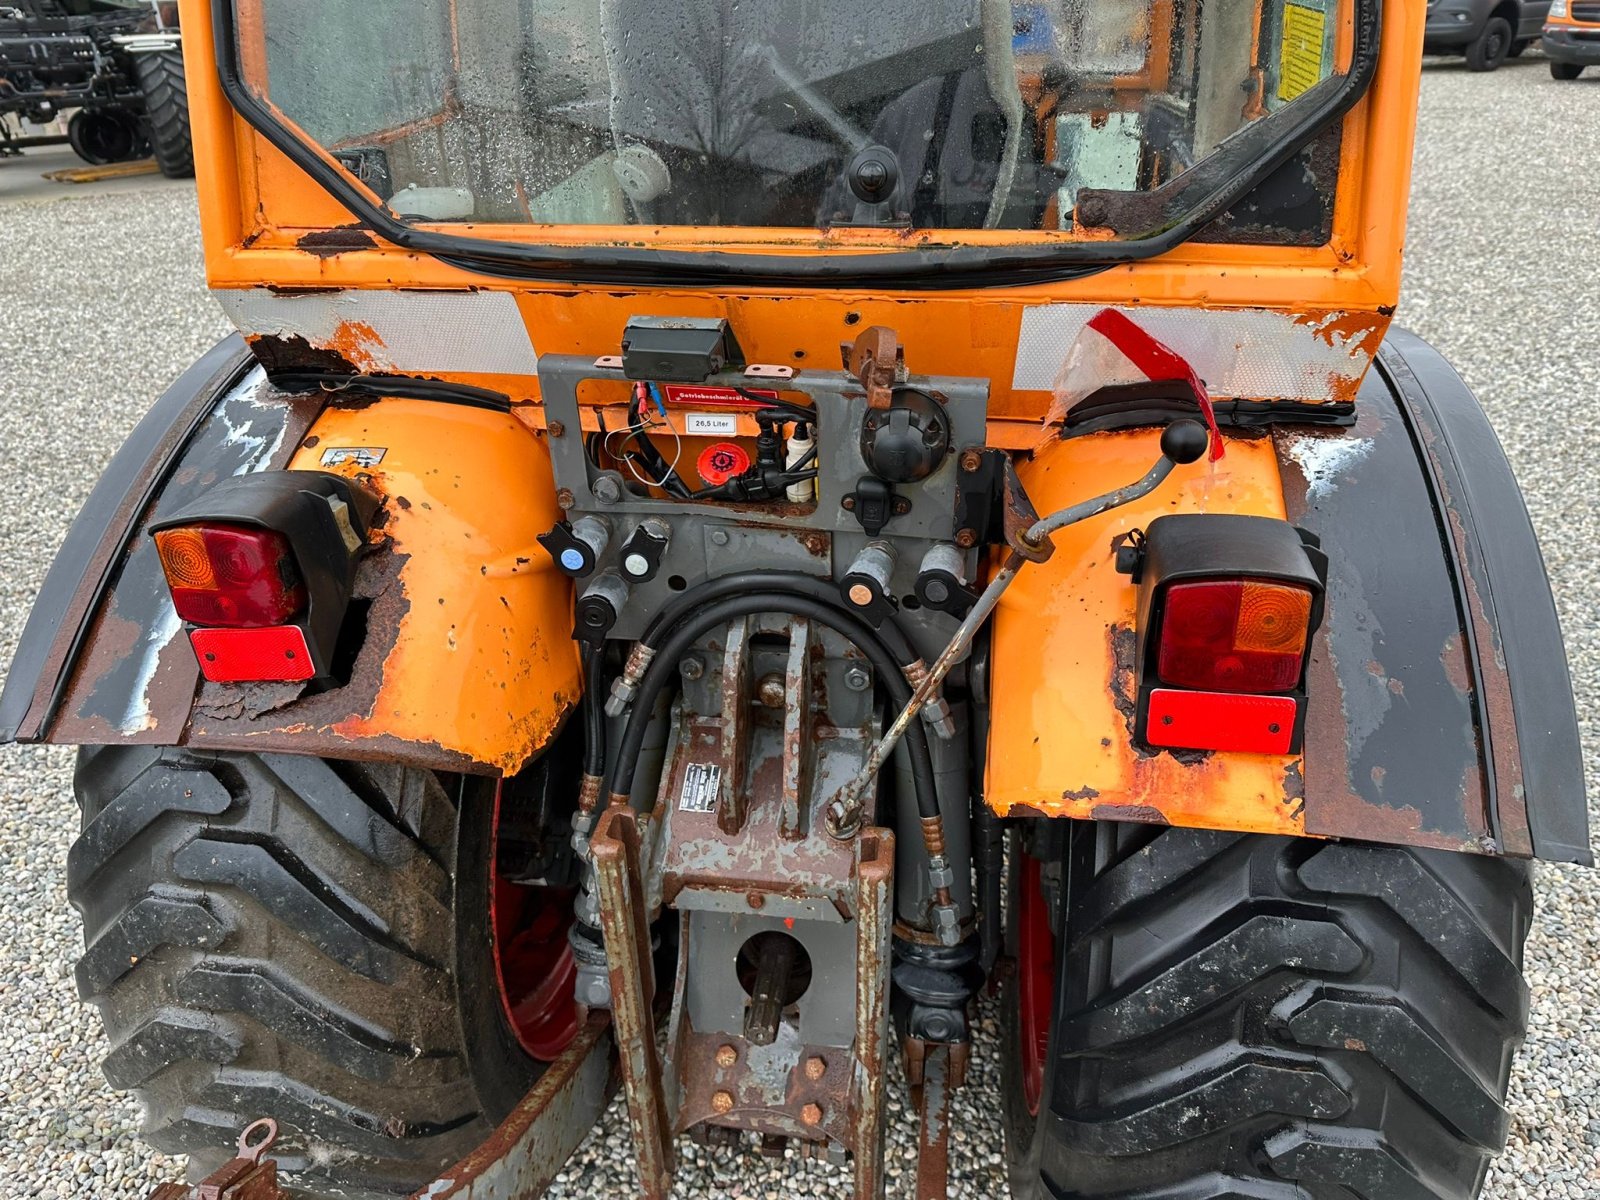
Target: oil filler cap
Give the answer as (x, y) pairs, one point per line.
(721, 461)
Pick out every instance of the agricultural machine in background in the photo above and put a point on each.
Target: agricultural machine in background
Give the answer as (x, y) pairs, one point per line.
(726, 529)
(115, 65)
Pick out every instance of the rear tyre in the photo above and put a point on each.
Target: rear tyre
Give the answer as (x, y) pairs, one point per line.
(1492, 47)
(273, 935)
(166, 107)
(1563, 70)
(1277, 1019)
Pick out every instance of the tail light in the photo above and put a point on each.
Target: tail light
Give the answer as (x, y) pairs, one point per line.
(230, 576)
(1227, 607)
(262, 568)
(1234, 635)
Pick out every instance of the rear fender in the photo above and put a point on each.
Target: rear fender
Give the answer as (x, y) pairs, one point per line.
(1439, 707)
(466, 662)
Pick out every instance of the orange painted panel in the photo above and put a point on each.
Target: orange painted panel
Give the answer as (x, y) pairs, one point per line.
(483, 663)
(1060, 741)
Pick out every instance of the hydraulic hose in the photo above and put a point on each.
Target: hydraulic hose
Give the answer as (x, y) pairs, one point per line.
(683, 636)
(823, 591)
(594, 713)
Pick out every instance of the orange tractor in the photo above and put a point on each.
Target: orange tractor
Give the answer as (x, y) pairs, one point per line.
(728, 528)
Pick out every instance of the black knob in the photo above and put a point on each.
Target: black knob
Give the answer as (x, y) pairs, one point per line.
(873, 174)
(1184, 441)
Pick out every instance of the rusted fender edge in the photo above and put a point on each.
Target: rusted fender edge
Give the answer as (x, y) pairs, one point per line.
(1441, 712)
(520, 1158)
(87, 563)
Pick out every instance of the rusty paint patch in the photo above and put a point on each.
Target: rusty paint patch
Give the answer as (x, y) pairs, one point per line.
(325, 243)
(1083, 793)
(1145, 814)
(293, 354)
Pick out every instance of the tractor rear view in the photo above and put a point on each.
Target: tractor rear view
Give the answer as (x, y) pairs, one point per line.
(726, 530)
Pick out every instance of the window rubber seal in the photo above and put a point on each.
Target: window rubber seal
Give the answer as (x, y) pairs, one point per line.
(1280, 136)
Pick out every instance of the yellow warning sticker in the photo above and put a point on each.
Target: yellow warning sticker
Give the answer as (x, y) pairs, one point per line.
(1300, 65)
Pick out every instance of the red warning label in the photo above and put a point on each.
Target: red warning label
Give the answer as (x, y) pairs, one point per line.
(699, 395)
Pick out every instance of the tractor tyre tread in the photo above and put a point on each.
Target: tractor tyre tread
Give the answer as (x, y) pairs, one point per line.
(166, 109)
(272, 935)
(1274, 1017)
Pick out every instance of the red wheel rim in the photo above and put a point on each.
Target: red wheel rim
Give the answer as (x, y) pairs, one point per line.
(533, 959)
(1036, 976)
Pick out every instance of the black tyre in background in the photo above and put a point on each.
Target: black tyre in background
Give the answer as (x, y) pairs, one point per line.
(166, 106)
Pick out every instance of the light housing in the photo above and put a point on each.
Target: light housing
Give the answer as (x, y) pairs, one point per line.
(1227, 608)
(262, 567)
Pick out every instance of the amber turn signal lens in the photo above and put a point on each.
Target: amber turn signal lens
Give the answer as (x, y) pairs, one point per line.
(1273, 617)
(1233, 635)
(184, 558)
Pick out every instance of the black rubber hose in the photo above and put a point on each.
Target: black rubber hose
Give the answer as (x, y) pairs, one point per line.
(594, 711)
(858, 632)
(824, 591)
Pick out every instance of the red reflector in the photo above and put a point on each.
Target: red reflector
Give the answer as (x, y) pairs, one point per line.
(252, 655)
(230, 575)
(1234, 635)
(1220, 721)
(721, 461)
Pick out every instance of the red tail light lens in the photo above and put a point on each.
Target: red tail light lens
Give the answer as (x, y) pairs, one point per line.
(1234, 635)
(231, 576)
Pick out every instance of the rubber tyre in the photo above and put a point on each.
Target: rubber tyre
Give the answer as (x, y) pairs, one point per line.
(166, 108)
(1277, 1019)
(105, 136)
(1492, 47)
(1519, 47)
(1565, 70)
(282, 936)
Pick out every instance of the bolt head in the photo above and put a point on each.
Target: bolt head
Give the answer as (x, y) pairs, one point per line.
(721, 1102)
(816, 1067)
(607, 490)
(557, 429)
(857, 679)
(848, 503)
(719, 537)
(726, 1056)
(971, 460)
(756, 900)
(811, 1114)
(692, 667)
(565, 498)
(967, 538)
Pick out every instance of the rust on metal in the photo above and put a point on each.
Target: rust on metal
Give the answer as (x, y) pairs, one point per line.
(876, 359)
(614, 849)
(875, 884)
(797, 730)
(521, 1158)
(249, 1176)
(734, 801)
(931, 1099)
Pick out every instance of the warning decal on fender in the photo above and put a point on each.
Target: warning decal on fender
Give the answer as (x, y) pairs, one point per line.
(701, 782)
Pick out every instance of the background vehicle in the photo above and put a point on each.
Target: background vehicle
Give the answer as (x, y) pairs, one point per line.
(277, 924)
(1572, 38)
(116, 65)
(1484, 32)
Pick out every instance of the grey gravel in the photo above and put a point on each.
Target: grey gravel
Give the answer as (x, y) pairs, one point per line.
(103, 303)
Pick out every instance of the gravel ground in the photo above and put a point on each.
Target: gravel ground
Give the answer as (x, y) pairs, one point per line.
(105, 304)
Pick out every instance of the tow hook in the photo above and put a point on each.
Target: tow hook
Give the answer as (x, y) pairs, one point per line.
(250, 1176)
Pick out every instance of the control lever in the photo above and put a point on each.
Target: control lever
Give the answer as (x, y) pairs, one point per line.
(1182, 442)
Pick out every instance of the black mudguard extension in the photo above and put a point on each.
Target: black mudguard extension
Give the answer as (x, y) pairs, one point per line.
(1441, 709)
(87, 565)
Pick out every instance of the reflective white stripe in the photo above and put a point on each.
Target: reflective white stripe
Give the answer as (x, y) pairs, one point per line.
(1240, 353)
(400, 332)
